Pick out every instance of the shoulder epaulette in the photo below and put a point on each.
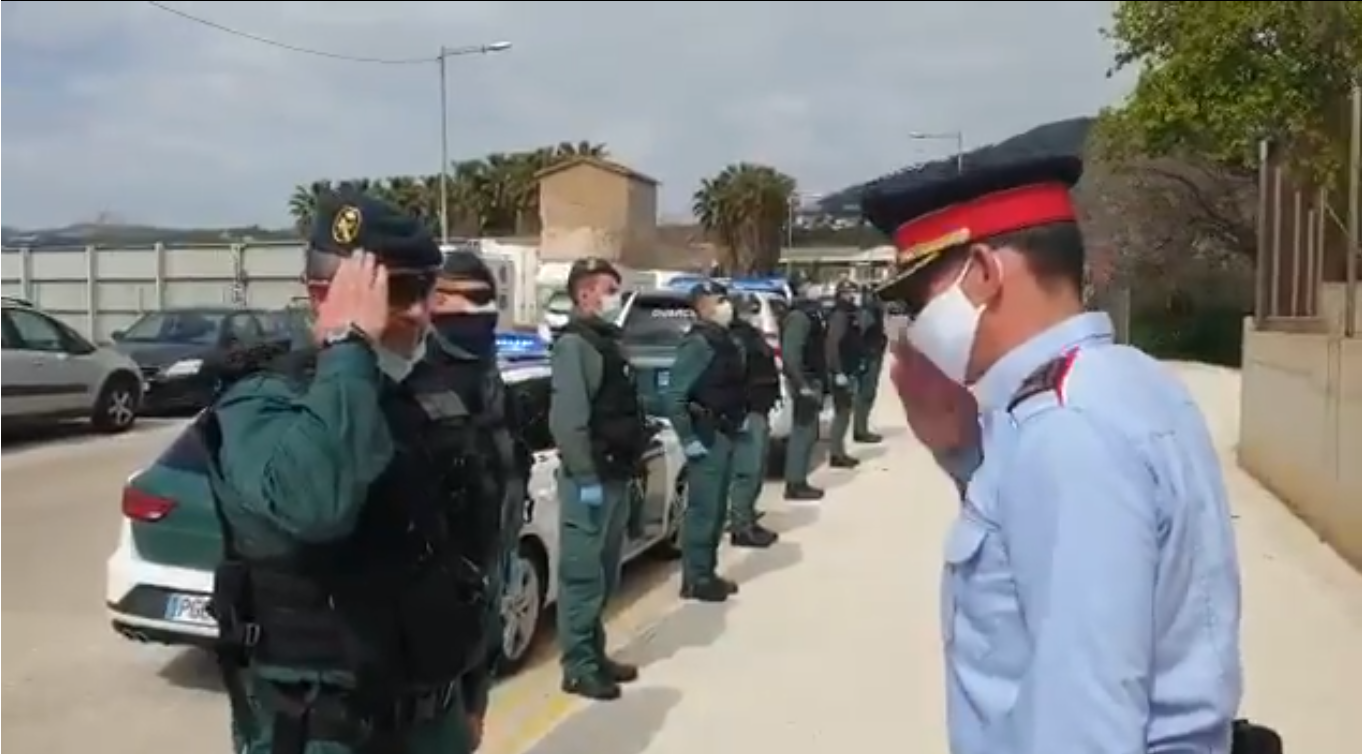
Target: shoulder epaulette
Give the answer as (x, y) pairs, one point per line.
(1048, 378)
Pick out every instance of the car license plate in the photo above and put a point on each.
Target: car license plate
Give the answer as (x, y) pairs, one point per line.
(189, 608)
(664, 378)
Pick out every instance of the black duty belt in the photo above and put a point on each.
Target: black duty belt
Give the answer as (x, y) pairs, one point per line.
(305, 712)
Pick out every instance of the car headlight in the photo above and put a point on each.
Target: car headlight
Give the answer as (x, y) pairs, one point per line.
(183, 368)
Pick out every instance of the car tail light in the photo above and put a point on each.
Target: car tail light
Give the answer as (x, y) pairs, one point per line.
(142, 506)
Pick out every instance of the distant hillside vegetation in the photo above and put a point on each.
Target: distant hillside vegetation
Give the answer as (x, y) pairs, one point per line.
(1064, 137)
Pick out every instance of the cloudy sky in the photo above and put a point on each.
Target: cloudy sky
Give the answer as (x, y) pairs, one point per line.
(121, 108)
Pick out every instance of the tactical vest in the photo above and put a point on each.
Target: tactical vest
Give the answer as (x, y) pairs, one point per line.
(813, 361)
(763, 375)
(851, 345)
(875, 338)
(619, 431)
(718, 399)
(401, 602)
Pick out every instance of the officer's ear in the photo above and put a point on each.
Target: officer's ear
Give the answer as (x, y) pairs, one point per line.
(983, 280)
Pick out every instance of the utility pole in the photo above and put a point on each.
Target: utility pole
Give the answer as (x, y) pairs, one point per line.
(445, 54)
(957, 136)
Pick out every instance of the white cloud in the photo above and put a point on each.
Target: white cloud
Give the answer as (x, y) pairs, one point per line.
(119, 107)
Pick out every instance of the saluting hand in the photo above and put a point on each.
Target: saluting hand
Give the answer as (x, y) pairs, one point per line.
(357, 296)
(942, 413)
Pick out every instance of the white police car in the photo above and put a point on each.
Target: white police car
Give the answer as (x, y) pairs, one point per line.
(159, 577)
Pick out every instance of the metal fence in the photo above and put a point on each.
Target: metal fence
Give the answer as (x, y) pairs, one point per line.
(101, 290)
(1308, 234)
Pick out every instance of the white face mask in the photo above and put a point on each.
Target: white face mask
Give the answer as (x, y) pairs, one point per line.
(396, 366)
(723, 313)
(611, 304)
(945, 330)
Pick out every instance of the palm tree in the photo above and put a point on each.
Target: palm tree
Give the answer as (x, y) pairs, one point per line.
(302, 205)
(497, 193)
(744, 208)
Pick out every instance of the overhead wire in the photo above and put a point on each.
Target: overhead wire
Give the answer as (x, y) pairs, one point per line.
(286, 46)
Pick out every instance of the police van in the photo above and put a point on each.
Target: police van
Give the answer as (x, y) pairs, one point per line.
(160, 575)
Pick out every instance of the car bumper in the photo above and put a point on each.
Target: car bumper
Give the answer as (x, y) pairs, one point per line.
(176, 393)
(137, 594)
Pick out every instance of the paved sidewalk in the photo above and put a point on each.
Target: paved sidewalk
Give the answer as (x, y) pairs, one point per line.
(833, 642)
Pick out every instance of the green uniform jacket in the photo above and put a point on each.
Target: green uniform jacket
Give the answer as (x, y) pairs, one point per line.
(794, 335)
(692, 359)
(577, 369)
(299, 464)
(839, 324)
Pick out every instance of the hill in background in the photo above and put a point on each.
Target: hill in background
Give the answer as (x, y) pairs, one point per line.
(832, 220)
(1064, 137)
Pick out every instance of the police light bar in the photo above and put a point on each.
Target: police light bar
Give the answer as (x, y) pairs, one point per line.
(761, 285)
(685, 282)
(518, 346)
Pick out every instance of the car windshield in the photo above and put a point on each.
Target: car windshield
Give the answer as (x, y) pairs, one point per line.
(198, 327)
(657, 320)
(559, 303)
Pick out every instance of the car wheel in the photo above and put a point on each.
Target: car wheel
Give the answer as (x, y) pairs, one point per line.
(522, 607)
(670, 547)
(116, 408)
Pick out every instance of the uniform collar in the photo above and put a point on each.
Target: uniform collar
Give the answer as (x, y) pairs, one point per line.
(1001, 382)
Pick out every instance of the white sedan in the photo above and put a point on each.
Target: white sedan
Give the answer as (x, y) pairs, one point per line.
(160, 575)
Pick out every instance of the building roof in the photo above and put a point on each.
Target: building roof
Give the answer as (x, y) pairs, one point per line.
(601, 164)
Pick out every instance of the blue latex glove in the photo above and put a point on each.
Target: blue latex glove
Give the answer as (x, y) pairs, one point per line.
(696, 449)
(590, 494)
(841, 380)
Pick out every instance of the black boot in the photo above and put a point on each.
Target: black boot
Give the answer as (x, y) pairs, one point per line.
(843, 461)
(707, 590)
(803, 491)
(620, 672)
(755, 537)
(596, 685)
(867, 438)
(729, 584)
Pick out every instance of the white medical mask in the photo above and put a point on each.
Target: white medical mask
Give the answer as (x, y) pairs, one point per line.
(723, 313)
(945, 330)
(611, 303)
(396, 366)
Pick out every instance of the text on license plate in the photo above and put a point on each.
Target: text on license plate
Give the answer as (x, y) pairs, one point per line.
(189, 608)
(664, 378)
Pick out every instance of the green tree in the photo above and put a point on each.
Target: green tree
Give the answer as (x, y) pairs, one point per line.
(745, 208)
(1215, 78)
(495, 194)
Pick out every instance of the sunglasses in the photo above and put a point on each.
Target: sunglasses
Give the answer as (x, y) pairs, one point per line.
(407, 287)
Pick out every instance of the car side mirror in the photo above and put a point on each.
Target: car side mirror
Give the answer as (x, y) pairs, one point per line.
(117, 335)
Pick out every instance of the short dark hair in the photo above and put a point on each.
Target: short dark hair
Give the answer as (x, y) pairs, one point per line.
(1054, 252)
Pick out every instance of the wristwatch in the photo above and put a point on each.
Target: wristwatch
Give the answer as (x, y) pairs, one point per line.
(349, 333)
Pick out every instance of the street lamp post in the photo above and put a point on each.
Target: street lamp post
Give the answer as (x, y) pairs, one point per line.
(445, 54)
(957, 136)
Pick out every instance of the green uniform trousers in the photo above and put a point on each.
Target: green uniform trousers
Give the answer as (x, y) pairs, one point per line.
(448, 734)
(843, 397)
(803, 436)
(867, 387)
(708, 479)
(749, 470)
(591, 553)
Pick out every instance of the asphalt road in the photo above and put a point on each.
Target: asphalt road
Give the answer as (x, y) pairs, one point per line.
(832, 643)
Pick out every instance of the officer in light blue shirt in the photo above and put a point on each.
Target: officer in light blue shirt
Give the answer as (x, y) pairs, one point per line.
(1090, 599)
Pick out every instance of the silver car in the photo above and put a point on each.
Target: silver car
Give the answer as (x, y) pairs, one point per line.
(51, 372)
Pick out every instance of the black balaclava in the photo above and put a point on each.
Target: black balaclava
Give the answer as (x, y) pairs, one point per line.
(474, 331)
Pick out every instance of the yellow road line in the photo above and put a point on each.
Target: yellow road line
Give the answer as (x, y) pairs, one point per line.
(529, 706)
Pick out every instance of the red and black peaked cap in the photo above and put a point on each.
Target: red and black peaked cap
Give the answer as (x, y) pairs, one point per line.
(926, 219)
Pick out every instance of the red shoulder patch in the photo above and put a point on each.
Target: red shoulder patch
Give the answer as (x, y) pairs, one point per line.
(1049, 377)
